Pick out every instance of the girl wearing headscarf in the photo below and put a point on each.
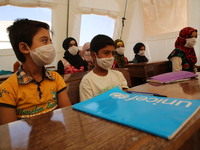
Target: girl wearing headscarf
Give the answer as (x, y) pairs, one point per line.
(120, 60)
(139, 50)
(86, 55)
(72, 61)
(183, 57)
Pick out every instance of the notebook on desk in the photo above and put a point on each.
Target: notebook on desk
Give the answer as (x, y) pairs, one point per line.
(160, 116)
(171, 77)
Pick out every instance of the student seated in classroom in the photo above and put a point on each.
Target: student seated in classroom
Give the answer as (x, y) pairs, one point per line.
(139, 50)
(85, 53)
(32, 90)
(120, 60)
(183, 57)
(72, 62)
(102, 77)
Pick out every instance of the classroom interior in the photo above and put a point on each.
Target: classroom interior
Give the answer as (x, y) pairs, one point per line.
(156, 23)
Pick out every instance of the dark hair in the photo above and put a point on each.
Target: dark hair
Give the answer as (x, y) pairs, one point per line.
(23, 30)
(137, 47)
(100, 41)
(67, 41)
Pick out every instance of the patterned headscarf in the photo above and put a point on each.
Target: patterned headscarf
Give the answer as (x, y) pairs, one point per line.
(181, 41)
(85, 47)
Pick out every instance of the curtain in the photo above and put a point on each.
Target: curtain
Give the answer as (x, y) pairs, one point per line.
(164, 16)
(28, 3)
(99, 7)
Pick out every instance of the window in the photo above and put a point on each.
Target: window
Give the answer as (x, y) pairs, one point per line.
(92, 25)
(12, 13)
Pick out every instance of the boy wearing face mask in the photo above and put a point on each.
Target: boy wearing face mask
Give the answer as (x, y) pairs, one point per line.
(32, 90)
(72, 62)
(102, 77)
(120, 60)
(139, 50)
(183, 57)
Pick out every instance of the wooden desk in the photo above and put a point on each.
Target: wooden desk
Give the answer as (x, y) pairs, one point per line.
(139, 72)
(70, 129)
(189, 137)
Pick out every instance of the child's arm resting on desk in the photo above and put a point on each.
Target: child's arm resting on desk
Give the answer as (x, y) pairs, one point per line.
(7, 115)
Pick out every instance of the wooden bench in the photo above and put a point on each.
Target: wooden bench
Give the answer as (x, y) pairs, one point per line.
(73, 81)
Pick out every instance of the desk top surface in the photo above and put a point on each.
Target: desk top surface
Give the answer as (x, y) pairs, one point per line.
(70, 129)
(147, 63)
(189, 89)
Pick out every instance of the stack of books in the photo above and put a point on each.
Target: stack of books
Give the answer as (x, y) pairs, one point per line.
(171, 77)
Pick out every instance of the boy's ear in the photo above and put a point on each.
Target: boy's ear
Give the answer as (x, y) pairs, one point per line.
(93, 54)
(23, 47)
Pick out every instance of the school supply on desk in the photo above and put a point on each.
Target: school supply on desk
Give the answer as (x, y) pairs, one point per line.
(146, 93)
(160, 116)
(171, 77)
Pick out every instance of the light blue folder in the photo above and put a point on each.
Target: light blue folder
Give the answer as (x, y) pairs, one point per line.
(160, 116)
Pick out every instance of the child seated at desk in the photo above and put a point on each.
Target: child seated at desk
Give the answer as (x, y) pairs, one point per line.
(102, 77)
(139, 50)
(120, 60)
(183, 57)
(72, 62)
(32, 90)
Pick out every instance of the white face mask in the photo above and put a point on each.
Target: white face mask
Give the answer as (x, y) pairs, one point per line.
(120, 50)
(190, 42)
(105, 63)
(73, 50)
(43, 55)
(141, 53)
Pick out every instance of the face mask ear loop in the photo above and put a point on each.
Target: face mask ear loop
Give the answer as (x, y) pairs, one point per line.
(96, 55)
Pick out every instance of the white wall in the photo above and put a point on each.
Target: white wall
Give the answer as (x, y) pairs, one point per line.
(7, 58)
(157, 47)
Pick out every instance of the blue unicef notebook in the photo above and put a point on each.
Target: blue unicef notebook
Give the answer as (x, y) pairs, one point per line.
(160, 116)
